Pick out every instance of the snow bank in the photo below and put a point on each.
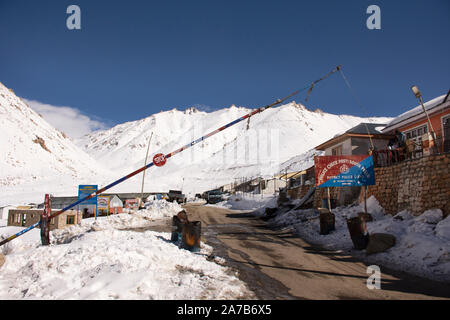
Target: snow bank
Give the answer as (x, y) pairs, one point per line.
(158, 209)
(104, 259)
(443, 229)
(247, 202)
(422, 243)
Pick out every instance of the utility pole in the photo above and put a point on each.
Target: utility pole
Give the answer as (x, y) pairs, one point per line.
(143, 173)
(418, 95)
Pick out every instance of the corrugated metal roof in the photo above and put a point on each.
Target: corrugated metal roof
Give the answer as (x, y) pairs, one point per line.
(373, 128)
(429, 106)
(375, 131)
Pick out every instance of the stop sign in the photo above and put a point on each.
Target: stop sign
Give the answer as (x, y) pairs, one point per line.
(159, 160)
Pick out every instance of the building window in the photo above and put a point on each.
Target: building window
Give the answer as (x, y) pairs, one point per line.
(70, 220)
(446, 121)
(446, 132)
(416, 134)
(337, 151)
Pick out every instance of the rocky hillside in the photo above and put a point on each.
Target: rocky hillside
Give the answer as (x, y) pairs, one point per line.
(35, 157)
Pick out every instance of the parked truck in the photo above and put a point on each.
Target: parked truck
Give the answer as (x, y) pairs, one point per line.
(177, 195)
(213, 196)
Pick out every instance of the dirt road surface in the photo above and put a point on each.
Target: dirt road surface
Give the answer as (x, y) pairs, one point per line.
(277, 264)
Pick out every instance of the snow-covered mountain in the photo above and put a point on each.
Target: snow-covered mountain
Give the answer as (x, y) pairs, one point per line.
(252, 148)
(36, 158)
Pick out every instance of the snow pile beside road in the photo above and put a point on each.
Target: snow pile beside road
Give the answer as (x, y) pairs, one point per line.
(422, 243)
(159, 209)
(443, 229)
(247, 202)
(104, 259)
(197, 201)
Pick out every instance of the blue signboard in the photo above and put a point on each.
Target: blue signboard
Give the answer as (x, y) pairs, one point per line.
(344, 171)
(84, 191)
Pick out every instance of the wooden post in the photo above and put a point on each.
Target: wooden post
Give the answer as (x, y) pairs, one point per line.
(45, 221)
(329, 199)
(365, 199)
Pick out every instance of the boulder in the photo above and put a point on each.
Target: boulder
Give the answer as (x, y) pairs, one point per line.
(432, 216)
(380, 242)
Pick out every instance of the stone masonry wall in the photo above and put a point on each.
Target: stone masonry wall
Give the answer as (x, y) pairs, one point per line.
(414, 185)
(322, 193)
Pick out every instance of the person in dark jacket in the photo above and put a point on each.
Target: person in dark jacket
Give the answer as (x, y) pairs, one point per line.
(401, 138)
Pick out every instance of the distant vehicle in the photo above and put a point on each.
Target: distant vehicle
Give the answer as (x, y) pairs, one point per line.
(214, 196)
(161, 196)
(177, 195)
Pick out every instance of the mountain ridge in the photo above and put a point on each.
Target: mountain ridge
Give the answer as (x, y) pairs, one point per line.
(292, 127)
(38, 159)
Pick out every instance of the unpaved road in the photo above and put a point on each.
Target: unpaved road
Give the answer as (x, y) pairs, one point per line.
(278, 265)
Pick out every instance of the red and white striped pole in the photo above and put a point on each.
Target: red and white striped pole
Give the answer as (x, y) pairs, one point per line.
(45, 221)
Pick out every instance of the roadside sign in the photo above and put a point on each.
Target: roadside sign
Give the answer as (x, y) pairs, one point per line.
(103, 202)
(131, 204)
(84, 191)
(344, 171)
(159, 160)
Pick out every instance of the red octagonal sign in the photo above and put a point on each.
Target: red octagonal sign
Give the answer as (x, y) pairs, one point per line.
(159, 160)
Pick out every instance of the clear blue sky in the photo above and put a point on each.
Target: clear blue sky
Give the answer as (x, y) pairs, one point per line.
(134, 58)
